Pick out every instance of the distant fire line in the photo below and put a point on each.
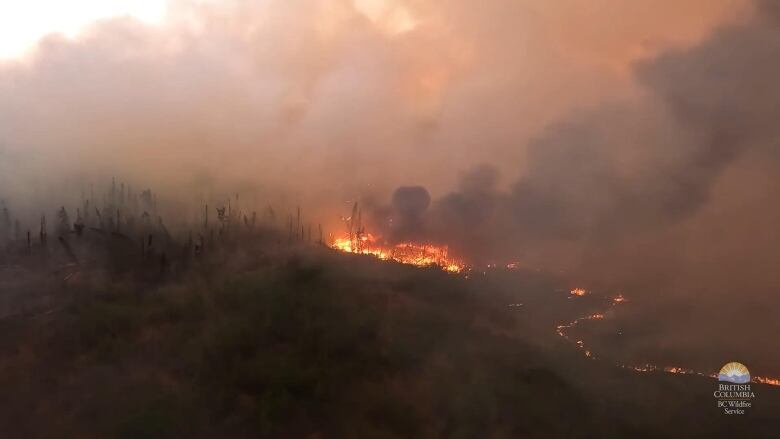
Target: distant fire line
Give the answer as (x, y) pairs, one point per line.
(561, 331)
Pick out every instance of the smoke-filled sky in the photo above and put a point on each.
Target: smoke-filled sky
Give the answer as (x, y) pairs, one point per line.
(22, 24)
(558, 133)
(339, 93)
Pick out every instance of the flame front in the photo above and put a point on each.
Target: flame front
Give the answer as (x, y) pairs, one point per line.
(421, 255)
(562, 331)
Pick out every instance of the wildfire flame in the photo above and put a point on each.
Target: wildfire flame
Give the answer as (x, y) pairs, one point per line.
(764, 380)
(420, 255)
(578, 292)
(618, 299)
(561, 330)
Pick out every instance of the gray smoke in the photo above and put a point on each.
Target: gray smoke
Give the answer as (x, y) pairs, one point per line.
(605, 179)
(672, 198)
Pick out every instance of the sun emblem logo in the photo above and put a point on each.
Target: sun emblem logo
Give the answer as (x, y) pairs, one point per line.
(734, 373)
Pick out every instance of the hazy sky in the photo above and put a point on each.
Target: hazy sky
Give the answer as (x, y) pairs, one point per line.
(335, 94)
(336, 99)
(22, 23)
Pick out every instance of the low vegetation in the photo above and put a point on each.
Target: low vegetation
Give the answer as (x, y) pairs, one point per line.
(306, 344)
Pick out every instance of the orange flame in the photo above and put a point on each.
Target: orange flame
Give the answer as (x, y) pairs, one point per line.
(765, 380)
(578, 292)
(618, 299)
(561, 330)
(421, 255)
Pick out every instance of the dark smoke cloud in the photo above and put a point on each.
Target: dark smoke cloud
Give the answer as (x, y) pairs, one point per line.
(409, 204)
(672, 198)
(603, 180)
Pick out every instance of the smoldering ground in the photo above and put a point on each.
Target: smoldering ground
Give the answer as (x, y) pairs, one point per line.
(647, 165)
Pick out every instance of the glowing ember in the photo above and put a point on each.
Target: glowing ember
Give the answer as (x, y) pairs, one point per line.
(578, 292)
(769, 381)
(421, 255)
(618, 299)
(680, 370)
(561, 330)
(645, 368)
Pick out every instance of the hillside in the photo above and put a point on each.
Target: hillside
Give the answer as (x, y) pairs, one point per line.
(306, 342)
